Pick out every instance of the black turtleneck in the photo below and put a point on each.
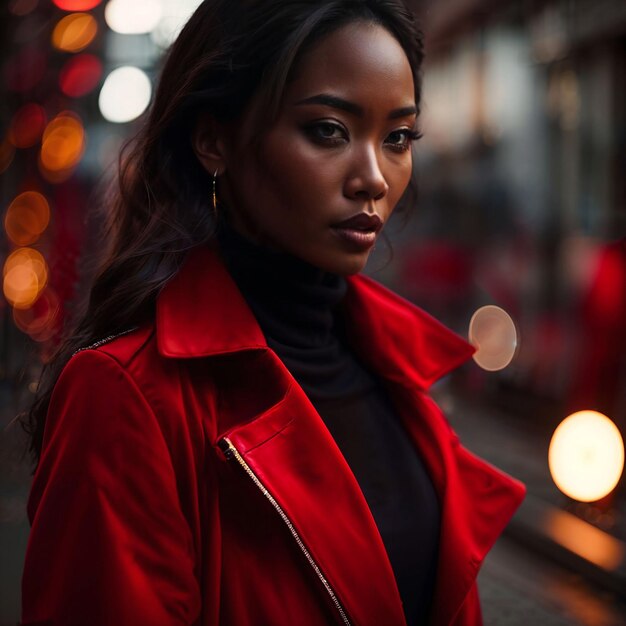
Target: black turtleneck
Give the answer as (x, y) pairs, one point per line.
(296, 306)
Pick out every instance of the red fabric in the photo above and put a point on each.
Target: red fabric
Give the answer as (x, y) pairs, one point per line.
(138, 517)
(602, 341)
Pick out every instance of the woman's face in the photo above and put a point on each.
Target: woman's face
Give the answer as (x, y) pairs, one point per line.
(339, 149)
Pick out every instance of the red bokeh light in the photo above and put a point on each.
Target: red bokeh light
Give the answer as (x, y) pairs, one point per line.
(27, 125)
(80, 75)
(76, 5)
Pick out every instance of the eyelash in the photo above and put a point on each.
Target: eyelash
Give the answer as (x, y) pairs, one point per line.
(315, 132)
(411, 136)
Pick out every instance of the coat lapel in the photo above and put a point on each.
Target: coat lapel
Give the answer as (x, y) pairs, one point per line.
(290, 450)
(398, 340)
(410, 350)
(201, 313)
(477, 500)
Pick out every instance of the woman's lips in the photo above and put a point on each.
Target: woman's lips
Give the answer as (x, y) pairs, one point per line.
(362, 221)
(359, 238)
(360, 230)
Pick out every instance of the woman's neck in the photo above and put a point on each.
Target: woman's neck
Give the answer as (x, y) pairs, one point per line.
(294, 301)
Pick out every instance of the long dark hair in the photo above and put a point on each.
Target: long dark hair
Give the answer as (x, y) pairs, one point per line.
(229, 51)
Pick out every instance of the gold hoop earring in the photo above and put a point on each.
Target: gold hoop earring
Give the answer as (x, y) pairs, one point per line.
(215, 191)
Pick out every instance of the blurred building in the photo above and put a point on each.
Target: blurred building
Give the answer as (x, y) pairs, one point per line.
(520, 168)
(523, 193)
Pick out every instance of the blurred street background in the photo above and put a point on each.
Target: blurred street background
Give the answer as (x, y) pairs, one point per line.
(522, 205)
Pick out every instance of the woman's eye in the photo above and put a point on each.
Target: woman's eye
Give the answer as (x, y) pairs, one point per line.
(327, 133)
(401, 139)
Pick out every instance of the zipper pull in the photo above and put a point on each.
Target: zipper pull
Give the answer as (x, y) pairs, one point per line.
(226, 447)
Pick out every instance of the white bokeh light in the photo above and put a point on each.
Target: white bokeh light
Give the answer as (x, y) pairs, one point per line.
(133, 17)
(125, 94)
(586, 456)
(175, 15)
(492, 332)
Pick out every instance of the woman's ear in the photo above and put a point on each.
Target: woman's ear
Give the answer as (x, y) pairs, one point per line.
(208, 144)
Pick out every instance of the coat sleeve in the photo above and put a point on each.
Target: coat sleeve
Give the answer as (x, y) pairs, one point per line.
(109, 543)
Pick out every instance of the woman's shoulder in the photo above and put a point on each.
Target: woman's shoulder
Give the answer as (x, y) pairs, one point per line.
(105, 365)
(121, 383)
(122, 364)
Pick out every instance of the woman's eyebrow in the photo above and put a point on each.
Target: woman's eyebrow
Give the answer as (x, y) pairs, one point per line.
(344, 105)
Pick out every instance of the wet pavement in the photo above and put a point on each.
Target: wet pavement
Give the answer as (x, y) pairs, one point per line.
(519, 587)
(532, 580)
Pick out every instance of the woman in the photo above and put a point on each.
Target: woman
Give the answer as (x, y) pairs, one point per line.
(247, 439)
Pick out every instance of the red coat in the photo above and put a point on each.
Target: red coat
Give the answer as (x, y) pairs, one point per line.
(186, 478)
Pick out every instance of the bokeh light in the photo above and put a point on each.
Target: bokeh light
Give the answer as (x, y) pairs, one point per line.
(31, 258)
(77, 5)
(74, 32)
(25, 70)
(25, 275)
(125, 94)
(41, 320)
(176, 13)
(62, 146)
(131, 17)
(586, 456)
(27, 125)
(80, 75)
(493, 334)
(20, 287)
(26, 218)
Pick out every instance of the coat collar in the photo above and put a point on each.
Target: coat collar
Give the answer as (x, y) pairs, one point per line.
(201, 313)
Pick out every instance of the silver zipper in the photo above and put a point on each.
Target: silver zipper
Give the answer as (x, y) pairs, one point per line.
(230, 452)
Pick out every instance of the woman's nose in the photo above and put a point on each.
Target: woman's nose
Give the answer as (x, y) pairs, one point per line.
(366, 180)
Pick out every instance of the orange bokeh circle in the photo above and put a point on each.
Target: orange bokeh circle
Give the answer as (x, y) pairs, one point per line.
(26, 218)
(25, 274)
(21, 286)
(30, 257)
(63, 144)
(74, 32)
